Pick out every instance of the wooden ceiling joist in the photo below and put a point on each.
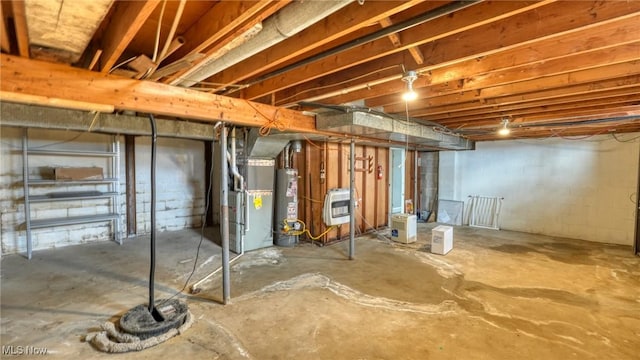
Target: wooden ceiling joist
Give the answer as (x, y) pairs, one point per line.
(20, 25)
(459, 103)
(483, 42)
(542, 111)
(429, 32)
(5, 43)
(488, 108)
(330, 29)
(128, 17)
(212, 32)
(31, 78)
(539, 54)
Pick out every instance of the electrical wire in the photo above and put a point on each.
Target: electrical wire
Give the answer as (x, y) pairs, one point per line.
(311, 142)
(615, 137)
(271, 123)
(122, 64)
(157, 41)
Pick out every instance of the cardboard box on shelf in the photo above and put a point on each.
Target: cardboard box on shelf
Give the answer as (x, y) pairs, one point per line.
(78, 173)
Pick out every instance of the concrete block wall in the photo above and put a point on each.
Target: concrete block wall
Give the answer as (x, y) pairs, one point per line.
(179, 184)
(576, 189)
(180, 175)
(13, 234)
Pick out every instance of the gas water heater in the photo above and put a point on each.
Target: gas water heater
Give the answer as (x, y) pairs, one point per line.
(286, 206)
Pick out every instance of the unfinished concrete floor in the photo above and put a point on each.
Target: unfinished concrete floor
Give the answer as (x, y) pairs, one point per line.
(497, 295)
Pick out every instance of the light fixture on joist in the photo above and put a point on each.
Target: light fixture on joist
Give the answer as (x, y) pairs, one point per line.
(409, 77)
(504, 129)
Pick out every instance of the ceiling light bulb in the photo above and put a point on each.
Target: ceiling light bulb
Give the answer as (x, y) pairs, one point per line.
(409, 77)
(504, 130)
(410, 95)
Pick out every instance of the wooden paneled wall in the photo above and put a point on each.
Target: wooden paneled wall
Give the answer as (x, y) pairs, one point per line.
(372, 211)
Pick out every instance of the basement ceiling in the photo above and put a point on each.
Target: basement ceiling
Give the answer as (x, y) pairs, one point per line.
(551, 68)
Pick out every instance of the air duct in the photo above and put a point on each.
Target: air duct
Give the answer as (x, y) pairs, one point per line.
(264, 147)
(381, 126)
(287, 22)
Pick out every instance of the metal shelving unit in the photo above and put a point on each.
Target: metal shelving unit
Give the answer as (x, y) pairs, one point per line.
(112, 181)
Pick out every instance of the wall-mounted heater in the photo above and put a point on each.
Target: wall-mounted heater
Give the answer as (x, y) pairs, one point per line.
(336, 207)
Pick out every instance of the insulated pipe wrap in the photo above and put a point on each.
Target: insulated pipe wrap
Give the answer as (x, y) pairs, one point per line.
(289, 21)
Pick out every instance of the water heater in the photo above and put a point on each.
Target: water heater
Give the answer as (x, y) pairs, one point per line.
(336, 207)
(286, 206)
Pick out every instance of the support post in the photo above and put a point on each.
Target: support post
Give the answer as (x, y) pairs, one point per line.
(352, 185)
(636, 243)
(416, 196)
(224, 216)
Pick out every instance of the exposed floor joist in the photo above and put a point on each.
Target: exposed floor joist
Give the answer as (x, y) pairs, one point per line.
(209, 35)
(332, 28)
(127, 19)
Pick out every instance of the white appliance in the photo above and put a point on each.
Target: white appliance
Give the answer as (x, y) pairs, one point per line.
(404, 228)
(441, 239)
(336, 207)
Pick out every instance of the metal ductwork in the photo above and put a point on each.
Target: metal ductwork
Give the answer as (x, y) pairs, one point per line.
(377, 125)
(265, 147)
(287, 22)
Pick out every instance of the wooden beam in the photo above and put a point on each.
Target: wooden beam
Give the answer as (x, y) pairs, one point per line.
(546, 69)
(216, 23)
(94, 60)
(22, 78)
(493, 118)
(5, 43)
(483, 109)
(128, 17)
(486, 41)
(604, 37)
(478, 16)
(20, 25)
(568, 133)
(352, 18)
(389, 59)
(223, 23)
(461, 102)
(395, 40)
(613, 112)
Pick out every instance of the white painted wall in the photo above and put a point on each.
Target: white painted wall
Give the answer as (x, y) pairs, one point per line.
(179, 184)
(582, 189)
(180, 194)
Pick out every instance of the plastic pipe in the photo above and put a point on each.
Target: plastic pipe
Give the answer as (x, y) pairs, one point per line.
(152, 267)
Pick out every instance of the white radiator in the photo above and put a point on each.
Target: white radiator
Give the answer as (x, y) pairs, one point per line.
(484, 211)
